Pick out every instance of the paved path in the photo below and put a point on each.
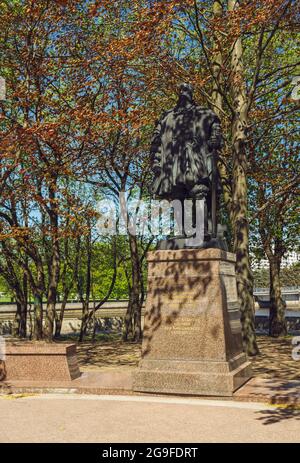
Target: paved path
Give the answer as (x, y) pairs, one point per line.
(80, 418)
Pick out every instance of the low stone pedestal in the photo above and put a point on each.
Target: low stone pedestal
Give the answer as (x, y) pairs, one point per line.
(192, 340)
(41, 361)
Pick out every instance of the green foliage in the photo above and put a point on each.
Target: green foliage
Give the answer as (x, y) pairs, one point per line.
(290, 276)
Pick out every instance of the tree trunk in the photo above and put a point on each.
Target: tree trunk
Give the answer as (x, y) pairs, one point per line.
(86, 300)
(55, 265)
(84, 320)
(277, 322)
(23, 319)
(60, 317)
(217, 62)
(20, 292)
(271, 229)
(127, 325)
(51, 301)
(236, 197)
(66, 287)
(132, 322)
(239, 206)
(241, 248)
(20, 322)
(17, 319)
(38, 317)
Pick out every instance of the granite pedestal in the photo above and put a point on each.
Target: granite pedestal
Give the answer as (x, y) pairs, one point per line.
(192, 340)
(41, 361)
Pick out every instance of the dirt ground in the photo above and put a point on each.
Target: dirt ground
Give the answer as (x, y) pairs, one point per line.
(104, 355)
(274, 361)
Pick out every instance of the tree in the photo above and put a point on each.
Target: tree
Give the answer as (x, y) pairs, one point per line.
(86, 81)
(277, 223)
(234, 39)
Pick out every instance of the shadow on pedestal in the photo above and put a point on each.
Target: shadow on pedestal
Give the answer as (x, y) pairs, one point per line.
(192, 340)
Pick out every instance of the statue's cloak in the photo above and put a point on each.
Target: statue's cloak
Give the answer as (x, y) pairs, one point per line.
(181, 150)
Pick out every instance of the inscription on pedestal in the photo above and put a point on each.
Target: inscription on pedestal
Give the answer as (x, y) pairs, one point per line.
(182, 325)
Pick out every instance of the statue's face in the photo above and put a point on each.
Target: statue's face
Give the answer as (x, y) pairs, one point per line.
(186, 90)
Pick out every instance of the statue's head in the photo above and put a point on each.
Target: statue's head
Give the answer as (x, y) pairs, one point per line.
(186, 90)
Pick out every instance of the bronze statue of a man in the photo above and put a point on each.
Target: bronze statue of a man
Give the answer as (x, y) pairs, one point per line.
(182, 148)
(183, 152)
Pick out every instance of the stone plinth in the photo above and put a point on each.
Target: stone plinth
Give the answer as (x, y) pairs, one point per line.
(37, 361)
(192, 340)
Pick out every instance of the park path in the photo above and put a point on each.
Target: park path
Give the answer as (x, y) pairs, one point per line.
(102, 418)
